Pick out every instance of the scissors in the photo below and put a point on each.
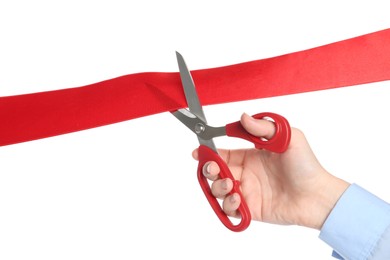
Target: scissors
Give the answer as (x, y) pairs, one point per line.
(194, 118)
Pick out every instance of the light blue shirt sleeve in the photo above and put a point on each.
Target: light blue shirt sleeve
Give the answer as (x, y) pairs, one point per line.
(358, 228)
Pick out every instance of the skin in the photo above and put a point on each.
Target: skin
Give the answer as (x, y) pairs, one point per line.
(291, 188)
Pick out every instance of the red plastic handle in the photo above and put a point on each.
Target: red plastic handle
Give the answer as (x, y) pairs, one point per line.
(205, 155)
(278, 143)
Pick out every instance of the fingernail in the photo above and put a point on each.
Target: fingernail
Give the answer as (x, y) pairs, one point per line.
(233, 198)
(245, 114)
(208, 168)
(225, 184)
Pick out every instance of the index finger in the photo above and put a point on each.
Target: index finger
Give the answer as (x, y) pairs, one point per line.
(231, 157)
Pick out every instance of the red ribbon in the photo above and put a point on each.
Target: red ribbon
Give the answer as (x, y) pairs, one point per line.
(359, 60)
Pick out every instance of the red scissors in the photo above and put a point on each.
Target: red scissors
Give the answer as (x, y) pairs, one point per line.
(194, 118)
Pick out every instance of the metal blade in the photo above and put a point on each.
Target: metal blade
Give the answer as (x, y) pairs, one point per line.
(189, 89)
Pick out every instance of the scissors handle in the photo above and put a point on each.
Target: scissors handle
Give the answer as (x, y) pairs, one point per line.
(278, 143)
(205, 155)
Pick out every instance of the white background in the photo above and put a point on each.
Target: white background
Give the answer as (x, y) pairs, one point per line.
(129, 190)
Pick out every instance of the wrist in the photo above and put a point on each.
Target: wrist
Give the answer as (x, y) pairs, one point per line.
(327, 196)
(320, 200)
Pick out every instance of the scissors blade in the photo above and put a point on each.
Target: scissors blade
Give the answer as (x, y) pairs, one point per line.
(189, 89)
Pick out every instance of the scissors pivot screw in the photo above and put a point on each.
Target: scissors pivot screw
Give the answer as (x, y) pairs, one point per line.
(199, 128)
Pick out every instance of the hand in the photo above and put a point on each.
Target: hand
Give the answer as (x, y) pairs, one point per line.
(290, 188)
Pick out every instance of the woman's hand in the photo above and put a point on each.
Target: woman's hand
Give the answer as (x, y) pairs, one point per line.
(286, 188)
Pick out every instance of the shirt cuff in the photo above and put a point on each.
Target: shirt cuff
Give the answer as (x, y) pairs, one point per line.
(356, 223)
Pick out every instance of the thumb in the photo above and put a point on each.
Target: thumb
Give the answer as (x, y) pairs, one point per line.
(258, 127)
